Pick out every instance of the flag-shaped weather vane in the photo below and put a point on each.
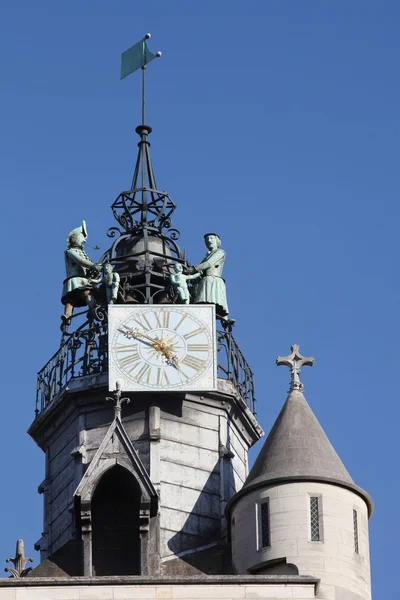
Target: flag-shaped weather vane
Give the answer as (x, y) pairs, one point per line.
(135, 58)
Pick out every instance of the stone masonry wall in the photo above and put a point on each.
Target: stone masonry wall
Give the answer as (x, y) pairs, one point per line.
(344, 573)
(302, 588)
(195, 449)
(203, 462)
(59, 486)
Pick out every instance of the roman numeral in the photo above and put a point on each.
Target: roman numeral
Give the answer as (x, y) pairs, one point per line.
(162, 377)
(183, 377)
(192, 333)
(193, 362)
(126, 348)
(198, 347)
(143, 321)
(166, 315)
(180, 322)
(162, 318)
(144, 373)
(158, 320)
(131, 361)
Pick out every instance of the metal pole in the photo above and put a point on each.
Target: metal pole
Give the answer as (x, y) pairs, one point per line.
(143, 93)
(230, 361)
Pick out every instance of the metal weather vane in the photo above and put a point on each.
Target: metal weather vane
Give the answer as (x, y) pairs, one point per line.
(143, 206)
(135, 58)
(295, 361)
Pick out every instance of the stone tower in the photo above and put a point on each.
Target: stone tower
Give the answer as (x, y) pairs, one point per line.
(146, 413)
(299, 511)
(143, 493)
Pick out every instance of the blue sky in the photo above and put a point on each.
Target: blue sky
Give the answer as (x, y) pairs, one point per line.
(275, 123)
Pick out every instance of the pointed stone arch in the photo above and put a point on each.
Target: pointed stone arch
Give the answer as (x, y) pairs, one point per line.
(115, 452)
(115, 512)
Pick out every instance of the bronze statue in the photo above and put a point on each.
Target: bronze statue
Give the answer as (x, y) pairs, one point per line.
(111, 281)
(211, 287)
(179, 282)
(81, 274)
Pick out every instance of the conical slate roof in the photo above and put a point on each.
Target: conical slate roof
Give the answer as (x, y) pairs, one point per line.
(298, 449)
(297, 445)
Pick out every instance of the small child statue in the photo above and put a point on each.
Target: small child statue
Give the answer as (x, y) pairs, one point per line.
(179, 282)
(111, 280)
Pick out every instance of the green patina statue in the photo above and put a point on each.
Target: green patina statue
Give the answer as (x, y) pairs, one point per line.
(179, 282)
(81, 274)
(110, 280)
(211, 287)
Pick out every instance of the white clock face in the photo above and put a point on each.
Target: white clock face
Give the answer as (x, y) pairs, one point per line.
(162, 347)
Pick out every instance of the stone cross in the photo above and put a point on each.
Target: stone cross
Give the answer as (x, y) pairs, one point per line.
(295, 361)
(117, 400)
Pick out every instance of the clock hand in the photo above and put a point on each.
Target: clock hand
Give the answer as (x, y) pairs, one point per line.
(135, 333)
(129, 335)
(172, 359)
(157, 344)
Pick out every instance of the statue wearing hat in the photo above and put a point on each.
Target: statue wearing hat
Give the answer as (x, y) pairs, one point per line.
(211, 287)
(81, 274)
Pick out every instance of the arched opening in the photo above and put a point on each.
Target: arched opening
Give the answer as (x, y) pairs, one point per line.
(115, 524)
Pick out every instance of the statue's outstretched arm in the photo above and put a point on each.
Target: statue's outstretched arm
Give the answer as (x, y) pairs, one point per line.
(79, 259)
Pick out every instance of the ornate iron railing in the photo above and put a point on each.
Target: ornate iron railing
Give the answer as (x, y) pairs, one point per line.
(233, 366)
(84, 352)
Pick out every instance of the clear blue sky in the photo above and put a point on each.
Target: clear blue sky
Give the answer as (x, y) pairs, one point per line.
(276, 123)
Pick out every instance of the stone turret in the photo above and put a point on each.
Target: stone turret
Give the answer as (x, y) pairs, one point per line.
(300, 511)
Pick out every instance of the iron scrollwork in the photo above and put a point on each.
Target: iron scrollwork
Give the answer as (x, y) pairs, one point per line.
(143, 252)
(84, 352)
(233, 366)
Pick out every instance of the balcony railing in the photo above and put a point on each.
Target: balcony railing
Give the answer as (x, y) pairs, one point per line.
(85, 353)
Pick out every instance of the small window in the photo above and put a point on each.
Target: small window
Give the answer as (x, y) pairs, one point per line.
(264, 524)
(314, 514)
(355, 529)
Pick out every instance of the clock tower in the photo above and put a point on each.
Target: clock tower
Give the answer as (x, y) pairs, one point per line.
(146, 411)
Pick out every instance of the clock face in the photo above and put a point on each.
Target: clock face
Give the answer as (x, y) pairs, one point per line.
(162, 347)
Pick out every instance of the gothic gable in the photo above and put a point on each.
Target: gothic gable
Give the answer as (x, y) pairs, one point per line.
(117, 449)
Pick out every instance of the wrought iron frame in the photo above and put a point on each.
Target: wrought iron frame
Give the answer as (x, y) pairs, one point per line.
(85, 352)
(154, 206)
(144, 217)
(143, 253)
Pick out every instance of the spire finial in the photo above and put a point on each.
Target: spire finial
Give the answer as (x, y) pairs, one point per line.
(19, 561)
(117, 400)
(295, 361)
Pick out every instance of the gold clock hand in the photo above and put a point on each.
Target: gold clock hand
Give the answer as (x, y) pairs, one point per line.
(172, 359)
(134, 332)
(162, 345)
(158, 345)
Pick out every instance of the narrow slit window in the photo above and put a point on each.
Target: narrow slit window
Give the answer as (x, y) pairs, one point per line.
(355, 529)
(314, 514)
(264, 522)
